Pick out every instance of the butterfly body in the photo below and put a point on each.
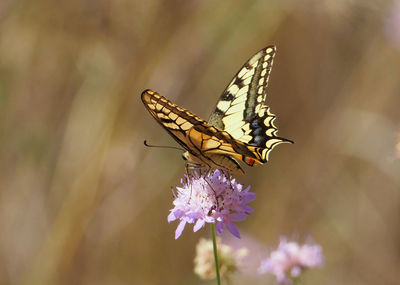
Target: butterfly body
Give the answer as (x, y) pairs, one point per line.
(240, 127)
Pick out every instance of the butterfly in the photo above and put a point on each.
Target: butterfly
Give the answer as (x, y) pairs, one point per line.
(241, 127)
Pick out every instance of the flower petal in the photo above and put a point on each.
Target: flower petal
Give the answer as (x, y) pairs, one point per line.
(171, 217)
(238, 217)
(250, 196)
(233, 229)
(179, 229)
(220, 227)
(199, 224)
(296, 271)
(248, 209)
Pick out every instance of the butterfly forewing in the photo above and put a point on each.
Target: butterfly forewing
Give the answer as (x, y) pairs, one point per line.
(241, 109)
(176, 120)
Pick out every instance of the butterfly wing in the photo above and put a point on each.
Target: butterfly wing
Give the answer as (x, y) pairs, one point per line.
(241, 109)
(175, 120)
(209, 145)
(212, 141)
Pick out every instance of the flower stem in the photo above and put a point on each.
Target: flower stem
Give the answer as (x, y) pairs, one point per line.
(296, 281)
(214, 238)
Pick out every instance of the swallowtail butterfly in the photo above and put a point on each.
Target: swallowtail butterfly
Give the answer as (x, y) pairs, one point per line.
(241, 127)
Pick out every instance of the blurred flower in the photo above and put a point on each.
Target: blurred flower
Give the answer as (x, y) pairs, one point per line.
(392, 27)
(229, 261)
(398, 146)
(214, 198)
(290, 259)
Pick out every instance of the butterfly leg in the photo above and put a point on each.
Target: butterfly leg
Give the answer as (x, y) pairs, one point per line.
(209, 171)
(215, 192)
(228, 177)
(188, 180)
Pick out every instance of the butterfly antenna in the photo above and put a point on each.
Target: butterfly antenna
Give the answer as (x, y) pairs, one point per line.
(162, 146)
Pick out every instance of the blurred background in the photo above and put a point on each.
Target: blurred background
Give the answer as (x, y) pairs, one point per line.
(82, 201)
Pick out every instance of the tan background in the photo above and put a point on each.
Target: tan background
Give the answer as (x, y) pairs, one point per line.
(82, 200)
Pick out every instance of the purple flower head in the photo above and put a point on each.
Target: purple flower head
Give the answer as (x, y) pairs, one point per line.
(288, 261)
(214, 198)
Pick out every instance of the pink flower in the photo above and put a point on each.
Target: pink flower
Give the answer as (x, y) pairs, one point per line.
(211, 199)
(290, 259)
(392, 27)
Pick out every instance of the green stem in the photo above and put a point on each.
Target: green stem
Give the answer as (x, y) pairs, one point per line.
(296, 281)
(214, 237)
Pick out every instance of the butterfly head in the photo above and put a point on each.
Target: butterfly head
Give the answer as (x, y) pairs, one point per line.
(185, 155)
(192, 159)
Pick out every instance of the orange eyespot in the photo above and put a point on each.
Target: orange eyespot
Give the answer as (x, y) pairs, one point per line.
(249, 161)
